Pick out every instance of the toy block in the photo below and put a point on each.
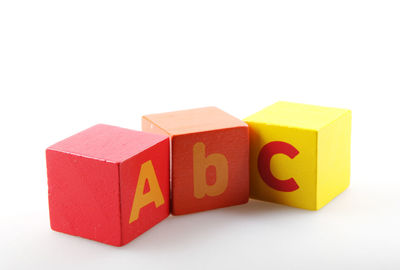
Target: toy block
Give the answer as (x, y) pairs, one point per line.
(299, 154)
(210, 158)
(108, 184)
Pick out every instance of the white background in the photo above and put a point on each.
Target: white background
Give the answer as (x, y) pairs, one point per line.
(67, 65)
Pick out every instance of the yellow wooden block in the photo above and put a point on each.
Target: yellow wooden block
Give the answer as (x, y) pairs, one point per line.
(299, 154)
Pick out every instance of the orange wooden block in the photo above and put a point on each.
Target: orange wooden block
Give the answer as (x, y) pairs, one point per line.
(210, 158)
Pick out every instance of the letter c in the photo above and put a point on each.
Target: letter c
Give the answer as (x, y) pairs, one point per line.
(264, 165)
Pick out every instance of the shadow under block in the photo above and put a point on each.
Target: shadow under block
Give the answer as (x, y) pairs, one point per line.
(210, 158)
(299, 154)
(108, 184)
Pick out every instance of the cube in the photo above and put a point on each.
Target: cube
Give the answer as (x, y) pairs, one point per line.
(210, 158)
(299, 154)
(108, 184)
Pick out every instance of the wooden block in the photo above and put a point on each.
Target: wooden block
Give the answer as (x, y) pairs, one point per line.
(299, 154)
(108, 184)
(210, 158)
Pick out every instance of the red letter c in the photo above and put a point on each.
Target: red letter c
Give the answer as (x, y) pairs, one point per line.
(264, 165)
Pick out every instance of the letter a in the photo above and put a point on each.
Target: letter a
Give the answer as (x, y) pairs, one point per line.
(200, 164)
(154, 195)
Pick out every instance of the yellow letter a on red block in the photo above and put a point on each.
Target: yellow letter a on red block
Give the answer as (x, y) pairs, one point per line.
(142, 199)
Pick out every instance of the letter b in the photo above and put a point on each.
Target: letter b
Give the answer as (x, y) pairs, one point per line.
(200, 165)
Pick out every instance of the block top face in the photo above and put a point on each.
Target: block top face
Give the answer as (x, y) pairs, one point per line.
(297, 115)
(194, 120)
(108, 143)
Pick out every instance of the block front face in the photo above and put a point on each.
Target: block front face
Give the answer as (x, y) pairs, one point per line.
(144, 190)
(210, 170)
(84, 197)
(283, 165)
(210, 158)
(333, 159)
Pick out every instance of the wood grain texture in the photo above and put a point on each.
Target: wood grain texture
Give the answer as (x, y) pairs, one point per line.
(92, 178)
(223, 138)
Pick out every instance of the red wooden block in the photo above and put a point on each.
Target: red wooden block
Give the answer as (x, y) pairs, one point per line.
(210, 158)
(108, 184)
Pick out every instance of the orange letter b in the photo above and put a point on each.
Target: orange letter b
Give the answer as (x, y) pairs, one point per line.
(200, 165)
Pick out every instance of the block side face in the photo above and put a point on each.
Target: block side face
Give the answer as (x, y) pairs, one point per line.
(149, 213)
(264, 141)
(298, 115)
(84, 197)
(107, 143)
(230, 144)
(334, 144)
(194, 120)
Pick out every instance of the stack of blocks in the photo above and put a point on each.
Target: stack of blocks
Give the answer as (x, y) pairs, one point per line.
(111, 184)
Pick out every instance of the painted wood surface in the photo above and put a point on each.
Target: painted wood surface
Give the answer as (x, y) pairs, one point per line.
(108, 184)
(210, 158)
